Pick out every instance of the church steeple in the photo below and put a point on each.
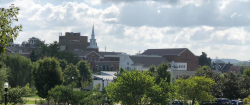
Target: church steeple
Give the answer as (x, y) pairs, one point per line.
(92, 43)
(93, 32)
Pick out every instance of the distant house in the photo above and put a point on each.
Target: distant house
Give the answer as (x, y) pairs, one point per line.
(177, 55)
(224, 67)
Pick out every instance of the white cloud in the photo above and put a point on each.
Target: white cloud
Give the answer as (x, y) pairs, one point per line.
(221, 29)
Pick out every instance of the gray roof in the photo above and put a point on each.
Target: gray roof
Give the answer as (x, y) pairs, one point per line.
(109, 53)
(160, 52)
(84, 53)
(147, 61)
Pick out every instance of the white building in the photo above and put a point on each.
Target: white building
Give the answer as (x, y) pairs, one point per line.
(139, 62)
(104, 79)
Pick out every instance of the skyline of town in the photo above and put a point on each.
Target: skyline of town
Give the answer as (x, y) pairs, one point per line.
(220, 32)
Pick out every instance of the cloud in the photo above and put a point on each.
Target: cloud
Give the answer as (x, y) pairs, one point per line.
(206, 13)
(219, 28)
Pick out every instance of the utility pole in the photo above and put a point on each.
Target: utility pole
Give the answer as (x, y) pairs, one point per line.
(171, 78)
(105, 48)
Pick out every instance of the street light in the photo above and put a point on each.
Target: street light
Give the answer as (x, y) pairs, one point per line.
(6, 85)
(171, 77)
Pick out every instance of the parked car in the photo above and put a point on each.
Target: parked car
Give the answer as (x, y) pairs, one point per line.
(178, 103)
(236, 102)
(218, 101)
(223, 101)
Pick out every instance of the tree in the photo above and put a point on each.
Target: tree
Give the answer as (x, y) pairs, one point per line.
(69, 56)
(19, 69)
(7, 32)
(162, 73)
(195, 89)
(152, 69)
(53, 49)
(246, 72)
(33, 56)
(133, 88)
(63, 64)
(3, 78)
(86, 74)
(69, 72)
(209, 73)
(47, 74)
(231, 88)
(15, 95)
(204, 60)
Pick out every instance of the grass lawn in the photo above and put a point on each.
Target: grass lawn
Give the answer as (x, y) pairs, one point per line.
(31, 96)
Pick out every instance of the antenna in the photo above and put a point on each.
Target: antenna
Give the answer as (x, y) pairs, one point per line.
(105, 48)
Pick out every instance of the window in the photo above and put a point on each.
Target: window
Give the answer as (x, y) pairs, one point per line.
(128, 63)
(90, 59)
(94, 59)
(87, 58)
(82, 58)
(127, 68)
(91, 64)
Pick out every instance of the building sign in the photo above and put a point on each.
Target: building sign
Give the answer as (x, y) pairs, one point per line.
(178, 66)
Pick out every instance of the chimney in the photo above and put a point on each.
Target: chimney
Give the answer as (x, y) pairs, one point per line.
(228, 62)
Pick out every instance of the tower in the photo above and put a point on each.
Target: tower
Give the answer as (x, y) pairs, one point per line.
(92, 44)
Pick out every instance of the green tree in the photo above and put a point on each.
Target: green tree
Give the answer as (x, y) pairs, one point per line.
(69, 56)
(133, 88)
(71, 74)
(63, 64)
(20, 69)
(33, 56)
(86, 74)
(152, 69)
(195, 89)
(162, 73)
(3, 78)
(241, 70)
(204, 60)
(15, 95)
(47, 74)
(231, 86)
(209, 73)
(8, 32)
(53, 49)
(246, 72)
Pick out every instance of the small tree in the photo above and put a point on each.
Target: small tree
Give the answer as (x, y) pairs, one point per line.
(86, 74)
(15, 95)
(71, 74)
(162, 73)
(195, 89)
(46, 74)
(63, 64)
(135, 87)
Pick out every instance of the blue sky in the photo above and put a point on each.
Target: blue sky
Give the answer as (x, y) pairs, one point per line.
(218, 27)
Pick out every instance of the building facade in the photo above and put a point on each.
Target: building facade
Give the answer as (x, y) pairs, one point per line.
(183, 55)
(73, 41)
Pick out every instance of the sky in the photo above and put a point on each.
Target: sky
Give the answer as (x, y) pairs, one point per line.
(221, 28)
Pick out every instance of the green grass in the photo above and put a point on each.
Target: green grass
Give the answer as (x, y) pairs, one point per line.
(31, 96)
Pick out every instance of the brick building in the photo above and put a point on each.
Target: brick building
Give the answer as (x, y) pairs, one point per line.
(177, 55)
(73, 41)
(100, 61)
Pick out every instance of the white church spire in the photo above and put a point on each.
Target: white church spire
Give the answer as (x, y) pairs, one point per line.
(92, 43)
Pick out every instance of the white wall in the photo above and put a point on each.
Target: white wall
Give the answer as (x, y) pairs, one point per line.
(124, 60)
